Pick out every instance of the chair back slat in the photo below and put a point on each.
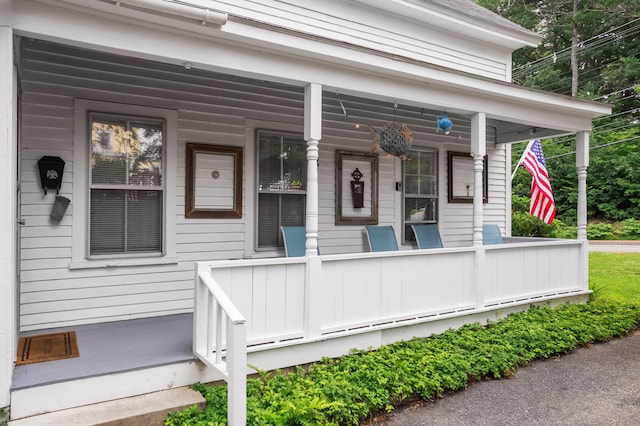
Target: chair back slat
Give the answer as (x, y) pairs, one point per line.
(295, 240)
(381, 238)
(427, 236)
(491, 234)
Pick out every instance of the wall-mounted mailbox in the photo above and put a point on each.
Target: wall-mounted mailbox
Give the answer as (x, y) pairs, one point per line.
(51, 169)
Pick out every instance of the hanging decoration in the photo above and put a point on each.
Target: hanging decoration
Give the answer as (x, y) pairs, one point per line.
(443, 123)
(394, 138)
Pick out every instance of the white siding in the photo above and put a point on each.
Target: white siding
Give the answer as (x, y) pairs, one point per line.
(348, 24)
(212, 108)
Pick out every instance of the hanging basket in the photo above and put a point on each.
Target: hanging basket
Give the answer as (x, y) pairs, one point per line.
(394, 138)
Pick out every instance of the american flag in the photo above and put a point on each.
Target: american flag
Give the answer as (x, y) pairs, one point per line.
(542, 204)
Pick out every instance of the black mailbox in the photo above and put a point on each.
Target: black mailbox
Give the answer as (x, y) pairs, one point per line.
(51, 169)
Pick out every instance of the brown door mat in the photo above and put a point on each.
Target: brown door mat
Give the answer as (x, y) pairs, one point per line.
(47, 347)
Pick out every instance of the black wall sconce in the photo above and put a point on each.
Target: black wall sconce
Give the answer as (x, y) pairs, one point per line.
(51, 170)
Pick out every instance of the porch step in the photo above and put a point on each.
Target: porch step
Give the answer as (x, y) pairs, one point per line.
(149, 409)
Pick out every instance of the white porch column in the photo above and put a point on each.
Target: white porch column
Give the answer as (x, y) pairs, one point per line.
(582, 162)
(478, 151)
(312, 134)
(8, 221)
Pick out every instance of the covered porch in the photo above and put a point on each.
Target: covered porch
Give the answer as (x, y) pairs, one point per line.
(299, 310)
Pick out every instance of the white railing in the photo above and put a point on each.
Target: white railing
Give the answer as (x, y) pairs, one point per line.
(293, 301)
(531, 270)
(212, 310)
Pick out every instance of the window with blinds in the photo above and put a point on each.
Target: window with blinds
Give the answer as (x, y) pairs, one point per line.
(126, 185)
(282, 177)
(420, 190)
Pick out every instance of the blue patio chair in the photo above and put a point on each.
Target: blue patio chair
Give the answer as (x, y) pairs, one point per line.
(427, 236)
(381, 238)
(491, 234)
(295, 240)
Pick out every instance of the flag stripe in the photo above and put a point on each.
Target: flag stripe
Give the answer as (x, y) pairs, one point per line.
(542, 204)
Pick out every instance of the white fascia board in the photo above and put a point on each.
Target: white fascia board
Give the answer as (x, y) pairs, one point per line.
(283, 57)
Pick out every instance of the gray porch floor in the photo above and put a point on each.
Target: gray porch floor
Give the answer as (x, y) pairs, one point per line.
(114, 347)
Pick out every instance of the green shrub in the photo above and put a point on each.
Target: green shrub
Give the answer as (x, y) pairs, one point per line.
(524, 224)
(599, 231)
(4, 416)
(630, 229)
(351, 388)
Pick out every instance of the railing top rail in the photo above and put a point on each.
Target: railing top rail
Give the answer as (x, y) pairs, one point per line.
(516, 242)
(533, 242)
(252, 262)
(223, 300)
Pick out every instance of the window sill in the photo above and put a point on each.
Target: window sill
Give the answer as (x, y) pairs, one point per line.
(264, 254)
(118, 263)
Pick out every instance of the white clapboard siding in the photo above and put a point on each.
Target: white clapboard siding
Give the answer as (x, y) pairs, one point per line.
(374, 30)
(212, 108)
(81, 280)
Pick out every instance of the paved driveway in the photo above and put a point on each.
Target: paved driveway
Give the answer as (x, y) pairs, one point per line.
(615, 246)
(599, 385)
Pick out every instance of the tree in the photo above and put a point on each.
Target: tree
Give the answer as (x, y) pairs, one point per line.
(591, 49)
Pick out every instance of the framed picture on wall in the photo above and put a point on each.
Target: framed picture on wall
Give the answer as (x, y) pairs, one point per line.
(461, 178)
(213, 187)
(356, 188)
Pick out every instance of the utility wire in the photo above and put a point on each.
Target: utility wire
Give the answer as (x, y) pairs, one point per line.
(594, 147)
(608, 37)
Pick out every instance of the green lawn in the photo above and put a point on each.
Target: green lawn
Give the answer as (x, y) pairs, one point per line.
(615, 276)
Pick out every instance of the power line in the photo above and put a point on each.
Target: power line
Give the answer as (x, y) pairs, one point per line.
(605, 38)
(594, 147)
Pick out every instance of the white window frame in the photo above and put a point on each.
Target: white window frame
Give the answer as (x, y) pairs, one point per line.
(301, 193)
(436, 154)
(251, 170)
(80, 203)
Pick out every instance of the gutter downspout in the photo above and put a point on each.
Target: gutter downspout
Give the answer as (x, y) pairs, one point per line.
(155, 7)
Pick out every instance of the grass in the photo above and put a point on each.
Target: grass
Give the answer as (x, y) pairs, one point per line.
(615, 276)
(352, 388)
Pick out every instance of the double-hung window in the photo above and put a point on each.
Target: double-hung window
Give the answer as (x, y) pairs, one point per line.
(420, 196)
(126, 185)
(282, 177)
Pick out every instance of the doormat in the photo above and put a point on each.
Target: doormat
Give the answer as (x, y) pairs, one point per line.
(47, 347)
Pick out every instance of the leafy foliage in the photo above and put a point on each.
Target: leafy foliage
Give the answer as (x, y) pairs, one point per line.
(4, 416)
(608, 60)
(351, 388)
(524, 224)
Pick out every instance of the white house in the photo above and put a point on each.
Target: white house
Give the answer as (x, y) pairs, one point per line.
(191, 130)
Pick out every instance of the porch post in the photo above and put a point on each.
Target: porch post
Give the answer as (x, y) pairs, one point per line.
(8, 194)
(478, 151)
(582, 162)
(312, 134)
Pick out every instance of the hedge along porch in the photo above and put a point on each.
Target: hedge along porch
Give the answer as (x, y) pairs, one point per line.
(228, 95)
